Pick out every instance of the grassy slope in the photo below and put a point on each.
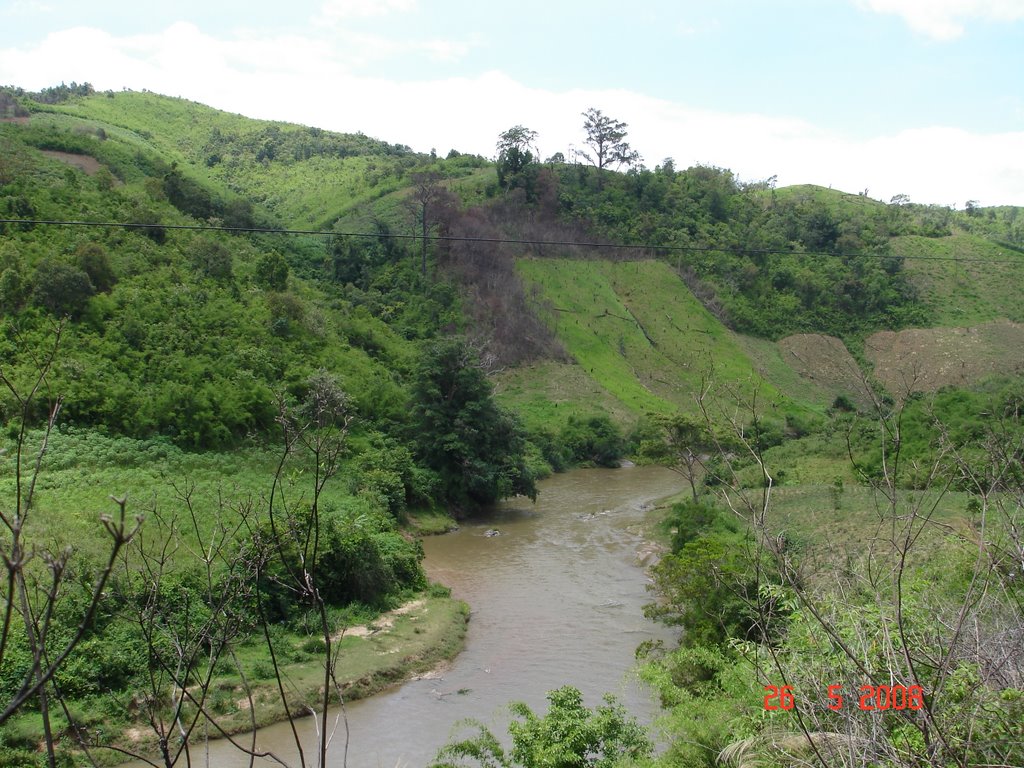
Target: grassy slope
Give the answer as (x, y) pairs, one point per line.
(642, 343)
(838, 202)
(306, 193)
(963, 293)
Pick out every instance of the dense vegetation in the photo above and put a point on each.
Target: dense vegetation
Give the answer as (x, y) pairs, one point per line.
(767, 598)
(298, 398)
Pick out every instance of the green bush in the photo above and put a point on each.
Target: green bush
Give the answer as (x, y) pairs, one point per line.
(94, 260)
(360, 560)
(595, 440)
(61, 288)
(569, 735)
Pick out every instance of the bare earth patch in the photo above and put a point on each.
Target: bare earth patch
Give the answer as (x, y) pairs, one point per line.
(827, 362)
(386, 621)
(924, 360)
(83, 162)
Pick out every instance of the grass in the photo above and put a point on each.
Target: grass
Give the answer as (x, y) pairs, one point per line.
(305, 193)
(308, 191)
(431, 522)
(837, 201)
(967, 292)
(596, 328)
(548, 393)
(410, 641)
(767, 358)
(643, 343)
(84, 468)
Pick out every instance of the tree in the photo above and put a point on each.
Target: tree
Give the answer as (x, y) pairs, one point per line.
(212, 259)
(427, 191)
(516, 151)
(61, 288)
(475, 447)
(272, 271)
(569, 736)
(94, 260)
(682, 447)
(605, 137)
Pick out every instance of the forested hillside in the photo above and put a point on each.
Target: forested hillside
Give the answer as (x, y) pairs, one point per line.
(216, 313)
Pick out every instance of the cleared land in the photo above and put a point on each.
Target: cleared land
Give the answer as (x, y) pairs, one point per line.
(967, 279)
(925, 360)
(827, 362)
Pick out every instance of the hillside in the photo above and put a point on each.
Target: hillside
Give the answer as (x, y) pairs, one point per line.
(765, 262)
(642, 340)
(635, 329)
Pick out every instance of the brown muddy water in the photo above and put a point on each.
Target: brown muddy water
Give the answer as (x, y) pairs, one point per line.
(556, 600)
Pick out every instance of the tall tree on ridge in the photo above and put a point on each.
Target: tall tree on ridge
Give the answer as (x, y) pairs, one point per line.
(605, 137)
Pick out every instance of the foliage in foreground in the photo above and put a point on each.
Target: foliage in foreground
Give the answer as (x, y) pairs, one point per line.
(569, 735)
(921, 605)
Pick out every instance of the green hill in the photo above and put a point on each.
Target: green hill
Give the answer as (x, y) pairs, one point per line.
(768, 262)
(305, 177)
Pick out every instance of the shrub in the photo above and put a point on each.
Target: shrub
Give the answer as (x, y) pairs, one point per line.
(272, 271)
(61, 288)
(595, 440)
(94, 260)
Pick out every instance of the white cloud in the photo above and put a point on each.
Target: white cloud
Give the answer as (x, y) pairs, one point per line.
(363, 49)
(312, 81)
(944, 19)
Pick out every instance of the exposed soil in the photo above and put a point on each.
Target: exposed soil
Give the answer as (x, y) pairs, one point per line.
(924, 360)
(83, 162)
(385, 621)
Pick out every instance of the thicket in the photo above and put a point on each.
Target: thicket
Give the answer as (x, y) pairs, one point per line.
(778, 625)
(952, 423)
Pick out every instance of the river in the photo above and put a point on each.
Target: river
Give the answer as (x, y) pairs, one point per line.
(556, 600)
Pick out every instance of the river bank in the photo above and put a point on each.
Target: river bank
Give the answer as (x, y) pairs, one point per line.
(407, 643)
(557, 595)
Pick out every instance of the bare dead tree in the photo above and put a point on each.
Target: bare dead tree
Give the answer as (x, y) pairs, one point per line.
(314, 433)
(188, 628)
(427, 192)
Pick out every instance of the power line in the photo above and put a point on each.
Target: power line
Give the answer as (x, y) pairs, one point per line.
(504, 241)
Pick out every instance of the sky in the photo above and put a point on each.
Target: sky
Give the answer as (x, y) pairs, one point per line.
(917, 97)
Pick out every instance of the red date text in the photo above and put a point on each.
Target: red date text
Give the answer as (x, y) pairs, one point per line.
(870, 697)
